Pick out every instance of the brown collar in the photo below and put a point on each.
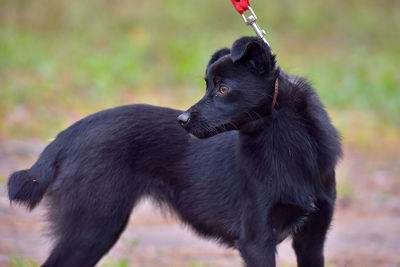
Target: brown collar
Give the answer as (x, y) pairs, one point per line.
(275, 94)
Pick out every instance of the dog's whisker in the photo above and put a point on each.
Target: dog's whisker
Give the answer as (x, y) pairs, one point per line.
(259, 116)
(234, 125)
(251, 117)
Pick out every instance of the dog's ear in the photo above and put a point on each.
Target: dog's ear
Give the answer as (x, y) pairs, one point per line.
(217, 55)
(254, 53)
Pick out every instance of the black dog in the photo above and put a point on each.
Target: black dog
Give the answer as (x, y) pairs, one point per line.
(262, 167)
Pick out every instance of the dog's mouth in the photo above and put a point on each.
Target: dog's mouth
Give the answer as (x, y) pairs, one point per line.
(203, 130)
(203, 133)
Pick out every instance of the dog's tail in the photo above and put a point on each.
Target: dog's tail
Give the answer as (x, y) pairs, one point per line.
(28, 187)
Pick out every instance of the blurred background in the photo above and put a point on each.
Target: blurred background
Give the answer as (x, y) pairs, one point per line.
(62, 60)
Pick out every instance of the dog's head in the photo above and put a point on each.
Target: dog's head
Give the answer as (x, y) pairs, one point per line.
(240, 89)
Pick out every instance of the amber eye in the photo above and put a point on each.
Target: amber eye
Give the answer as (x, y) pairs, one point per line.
(223, 90)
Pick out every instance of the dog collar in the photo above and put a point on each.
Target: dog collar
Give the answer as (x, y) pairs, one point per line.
(275, 94)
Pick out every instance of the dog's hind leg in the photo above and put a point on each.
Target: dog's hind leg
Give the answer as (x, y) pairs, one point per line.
(308, 242)
(89, 220)
(86, 245)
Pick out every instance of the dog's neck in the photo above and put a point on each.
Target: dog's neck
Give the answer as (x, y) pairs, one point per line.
(292, 96)
(287, 94)
(256, 125)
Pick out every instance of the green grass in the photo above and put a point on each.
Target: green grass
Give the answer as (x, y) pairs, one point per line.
(198, 264)
(112, 263)
(18, 261)
(61, 60)
(344, 189)
(383, 197)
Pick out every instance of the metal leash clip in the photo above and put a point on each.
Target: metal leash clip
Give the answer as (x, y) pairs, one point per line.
(251, 20)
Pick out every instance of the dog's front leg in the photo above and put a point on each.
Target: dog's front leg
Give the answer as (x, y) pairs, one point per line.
(257, 241)
(256, 254)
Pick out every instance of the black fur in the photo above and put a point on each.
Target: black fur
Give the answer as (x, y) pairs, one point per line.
(253, 176)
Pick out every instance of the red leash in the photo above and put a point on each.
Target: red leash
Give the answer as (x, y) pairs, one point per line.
(243, 5)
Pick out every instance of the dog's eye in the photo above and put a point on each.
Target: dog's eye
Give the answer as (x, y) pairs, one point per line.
(223, 89)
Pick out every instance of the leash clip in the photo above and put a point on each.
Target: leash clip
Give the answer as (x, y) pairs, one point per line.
(251, 20)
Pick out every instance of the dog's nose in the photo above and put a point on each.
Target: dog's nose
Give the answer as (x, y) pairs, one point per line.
(183, 119)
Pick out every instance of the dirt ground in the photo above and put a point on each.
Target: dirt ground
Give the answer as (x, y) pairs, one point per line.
(365, 231)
